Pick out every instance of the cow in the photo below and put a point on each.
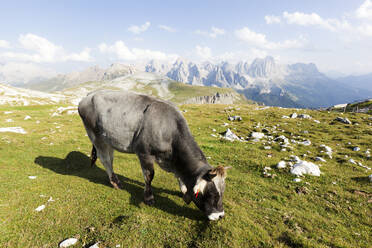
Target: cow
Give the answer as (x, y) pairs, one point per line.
(156, 131)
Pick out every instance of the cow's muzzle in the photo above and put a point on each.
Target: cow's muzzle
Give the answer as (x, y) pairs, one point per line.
(216, 216)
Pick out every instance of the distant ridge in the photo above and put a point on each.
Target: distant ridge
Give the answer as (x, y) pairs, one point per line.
(264, 80)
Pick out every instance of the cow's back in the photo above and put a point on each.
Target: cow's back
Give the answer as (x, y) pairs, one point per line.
(130, 122)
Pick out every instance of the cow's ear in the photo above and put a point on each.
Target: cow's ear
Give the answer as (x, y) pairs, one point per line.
(210, 175)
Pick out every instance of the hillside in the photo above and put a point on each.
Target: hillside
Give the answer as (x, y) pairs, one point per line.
(357, 107)
(264, 206)
(17, 96)
(155, 85)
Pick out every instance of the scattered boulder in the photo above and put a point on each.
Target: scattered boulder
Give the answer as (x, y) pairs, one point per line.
(281, 165)
(316, 121)
(229, 135)
(257, 135)
(297, 180)
(27, 117)
(293, 115)
(304, 116)
(305, 143)
(68, 242)
(327, 150)
(352, 161)
(304, 167)
(40, 208)
(343, 120)
(320, 159)
(370, 178)
(285, 117)
(356, 149)
(235, 118)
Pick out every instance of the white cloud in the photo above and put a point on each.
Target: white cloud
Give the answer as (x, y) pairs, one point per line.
(23, 72)
(365, 10)
(365, 30)
(44, 51)
(314, 19)
(213, 33)
(139, 29)
(125, 53)
(272, 19)
(4, 44)
(246, 55)
(259, 40)
(167, 28)
(203, 52)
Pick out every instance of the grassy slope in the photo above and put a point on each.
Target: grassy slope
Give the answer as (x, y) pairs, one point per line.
(260, 212)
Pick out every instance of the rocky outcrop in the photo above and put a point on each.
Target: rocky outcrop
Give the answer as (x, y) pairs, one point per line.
(218, 98)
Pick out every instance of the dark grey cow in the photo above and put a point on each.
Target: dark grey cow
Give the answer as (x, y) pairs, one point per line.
(155, 130)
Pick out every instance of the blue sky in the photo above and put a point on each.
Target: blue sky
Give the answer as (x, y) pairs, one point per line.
(61, 36)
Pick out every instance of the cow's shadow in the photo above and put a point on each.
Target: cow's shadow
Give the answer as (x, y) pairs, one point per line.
(78, 164)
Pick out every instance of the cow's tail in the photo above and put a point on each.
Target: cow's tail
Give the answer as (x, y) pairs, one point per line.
(93, 156)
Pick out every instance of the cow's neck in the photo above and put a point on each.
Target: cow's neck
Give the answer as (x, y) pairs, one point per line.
(190, 162)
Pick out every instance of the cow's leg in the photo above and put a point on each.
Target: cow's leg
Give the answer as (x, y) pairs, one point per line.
(147, 165)
(186, 197)
(93, 156)
(106, 155)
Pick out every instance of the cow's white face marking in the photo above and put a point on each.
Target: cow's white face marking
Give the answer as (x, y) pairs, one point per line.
(216, 216)
(200, 186)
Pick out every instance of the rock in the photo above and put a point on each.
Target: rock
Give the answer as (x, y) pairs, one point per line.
(235, 118)
(352, 161)
(316, 121)
(282, 138)
(32, 177)
(370, 178)
(257, 135)
(27, 117)
(295, 159)
(229, 135)
(267, 147)
(285, 117)
(343, 120)
(281, 165)
(356, 149)
(328, 150)
(304, 116)
(305, 143)
(297, 180)
(304, 167)
(361, 165)
(40, 208)
(293, 115)
(68, 242)
(320, 159)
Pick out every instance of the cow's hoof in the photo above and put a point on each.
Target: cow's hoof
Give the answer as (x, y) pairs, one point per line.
(116, 185)
(115, 182)
(149, 200)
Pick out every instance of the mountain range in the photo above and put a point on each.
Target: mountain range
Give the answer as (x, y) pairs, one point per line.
(263, 80)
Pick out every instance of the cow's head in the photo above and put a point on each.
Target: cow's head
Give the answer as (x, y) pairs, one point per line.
(208, 192)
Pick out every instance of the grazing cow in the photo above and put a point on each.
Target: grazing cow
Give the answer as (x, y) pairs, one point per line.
(154, 130)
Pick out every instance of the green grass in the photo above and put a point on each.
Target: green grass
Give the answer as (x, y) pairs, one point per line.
(260, 212)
